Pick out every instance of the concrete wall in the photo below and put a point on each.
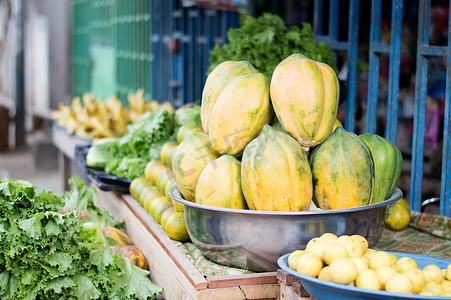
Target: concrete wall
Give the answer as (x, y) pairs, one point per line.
(59, 25)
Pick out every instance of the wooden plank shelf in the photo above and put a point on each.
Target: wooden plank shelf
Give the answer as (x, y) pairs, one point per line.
(170, 268)
(290, 288)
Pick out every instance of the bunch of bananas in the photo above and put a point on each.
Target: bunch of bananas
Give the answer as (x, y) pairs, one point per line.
(94, 118)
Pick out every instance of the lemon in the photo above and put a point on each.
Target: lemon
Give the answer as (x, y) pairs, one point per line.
(165, 216)
(433, 273)
(425, 293)
(134, 185)
(433, 287)
(398, 217)
(416, 278)
(354, 248)
(149, 167)
(368, 279)
(360, 263)
(384, 273)
(317, 246)
(178, 206)
(155, 203)
(293, 258)
(165, 150)
(405, 263)
(380, 259)
(393, 257)
(149, 197)
(163, 178)
(333, 252)
(404, 203)
(331, 237)
(309, 264)
(142, 188)
(369, 252)
(171, 183)
(363, 241)
(343, 270)
(448, 273)
(446, 285)
(445, 294)
(176, 228)
(156, 168)
(398, 283)
(324, 274)
(161, 208)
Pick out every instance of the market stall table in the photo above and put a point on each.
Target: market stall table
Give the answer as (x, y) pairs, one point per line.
(172, 269)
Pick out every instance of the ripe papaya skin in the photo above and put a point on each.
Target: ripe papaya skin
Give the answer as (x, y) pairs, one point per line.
(219, 184)
(275, 173)
(190, 158)
(343, 171)
(387, 165)
(241, 110)
(215, 83)
(304, 94)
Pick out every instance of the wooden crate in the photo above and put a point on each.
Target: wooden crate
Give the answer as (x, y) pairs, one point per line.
(171, 269)
(290, 288)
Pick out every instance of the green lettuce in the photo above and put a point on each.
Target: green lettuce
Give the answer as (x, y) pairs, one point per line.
(141, 144)
(47, 251)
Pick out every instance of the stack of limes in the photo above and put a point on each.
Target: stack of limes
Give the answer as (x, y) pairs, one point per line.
(348, 260)
(152, 192)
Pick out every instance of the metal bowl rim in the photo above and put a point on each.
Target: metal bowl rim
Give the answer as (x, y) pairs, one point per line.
(397, 194)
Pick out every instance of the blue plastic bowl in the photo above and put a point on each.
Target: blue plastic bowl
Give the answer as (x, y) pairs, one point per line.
(325, 290)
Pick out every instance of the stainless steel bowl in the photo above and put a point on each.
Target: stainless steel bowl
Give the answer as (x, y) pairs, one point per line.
(254, 240)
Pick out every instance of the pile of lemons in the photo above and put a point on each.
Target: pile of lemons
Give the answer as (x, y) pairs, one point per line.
(348, 260)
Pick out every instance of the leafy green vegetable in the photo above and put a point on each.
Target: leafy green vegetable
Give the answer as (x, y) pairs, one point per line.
(99, 154)
(266, 41)
(48, 252)
(141, 144)
(188, 115)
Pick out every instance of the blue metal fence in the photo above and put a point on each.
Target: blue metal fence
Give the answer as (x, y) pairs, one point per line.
(182, 38)
(376, 48)
(424, 52)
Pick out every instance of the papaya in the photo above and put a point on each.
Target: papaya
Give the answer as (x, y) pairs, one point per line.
(216, 81)
(190, 158)
(343, 171)
(277, 126)
(115, 237)
(337, 124)
(219, 184)
(135, 255)
(275, 173)
(241, 110)
(304, 94)
(387, 165)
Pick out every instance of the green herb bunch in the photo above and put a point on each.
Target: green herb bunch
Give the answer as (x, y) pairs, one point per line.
(265, 41)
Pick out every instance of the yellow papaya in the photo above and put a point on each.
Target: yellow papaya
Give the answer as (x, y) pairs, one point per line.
(240, 112)
(343, 171)
(304, 94)
(219, 184)
(190, 158)
(275, 173)
(216, 81)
